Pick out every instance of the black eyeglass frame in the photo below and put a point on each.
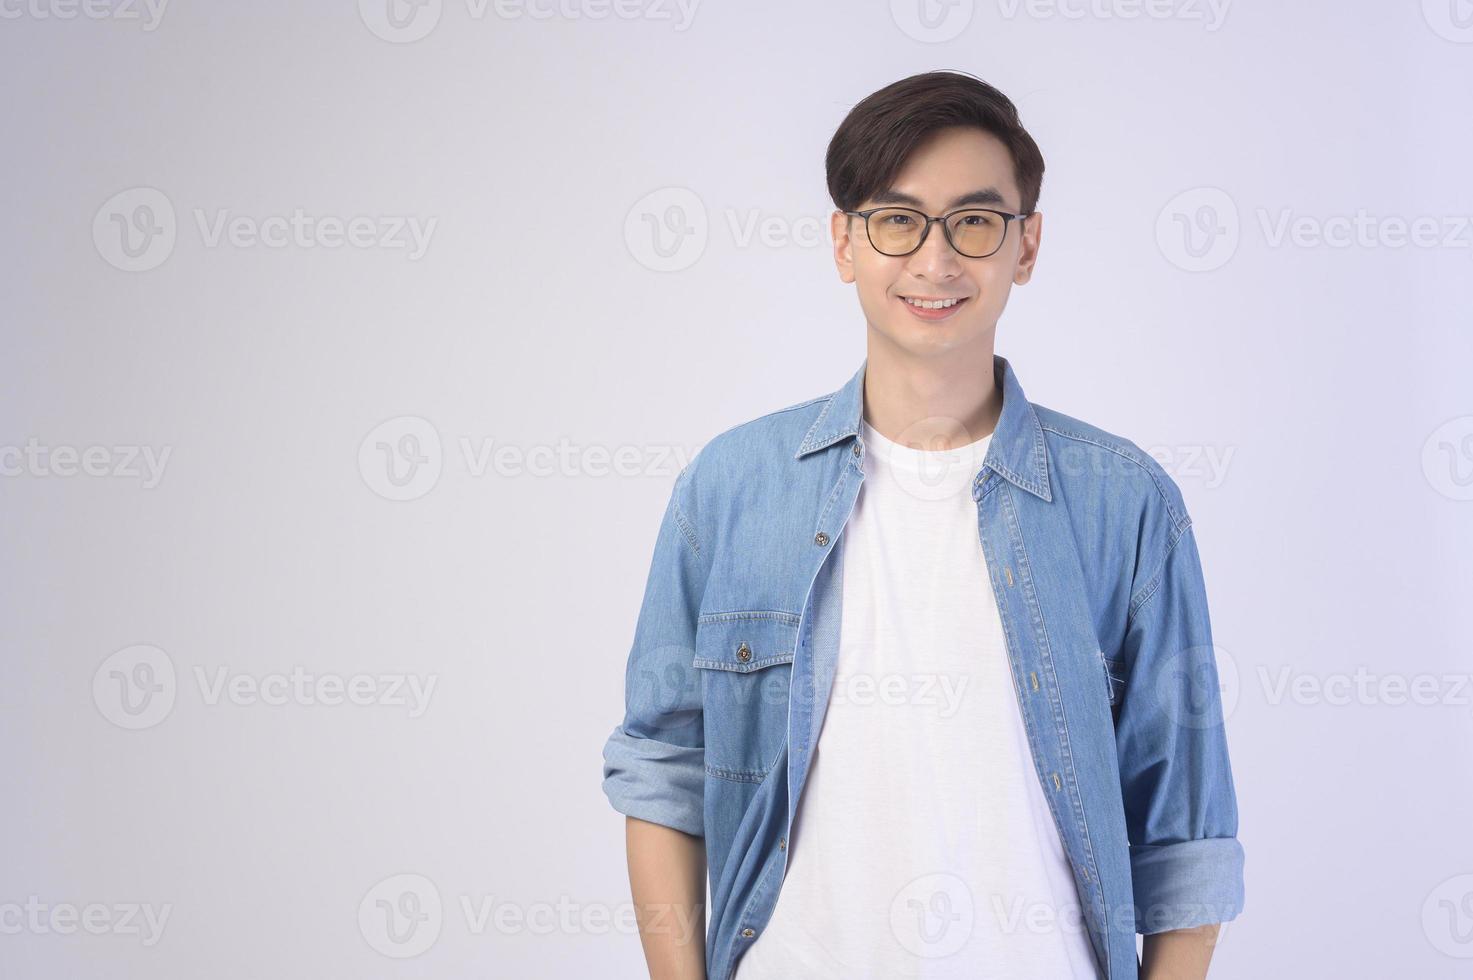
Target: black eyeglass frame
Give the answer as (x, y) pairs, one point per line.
(1007, 220)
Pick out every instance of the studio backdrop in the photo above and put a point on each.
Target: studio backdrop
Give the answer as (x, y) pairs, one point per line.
(350, 353)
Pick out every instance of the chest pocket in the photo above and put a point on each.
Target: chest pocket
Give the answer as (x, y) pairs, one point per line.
(745, 662)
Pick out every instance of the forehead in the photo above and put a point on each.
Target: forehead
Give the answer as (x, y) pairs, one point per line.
(959, 164)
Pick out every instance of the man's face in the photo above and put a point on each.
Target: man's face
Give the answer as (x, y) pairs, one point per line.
(953, 166)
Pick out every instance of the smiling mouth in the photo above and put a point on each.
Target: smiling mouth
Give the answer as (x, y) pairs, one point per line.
(933, 308)
(924, 303)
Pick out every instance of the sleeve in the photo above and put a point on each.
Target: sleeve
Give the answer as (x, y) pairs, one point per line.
(1180, 807)
(654, 762)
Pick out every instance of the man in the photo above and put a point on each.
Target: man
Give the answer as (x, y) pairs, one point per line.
(923, 676)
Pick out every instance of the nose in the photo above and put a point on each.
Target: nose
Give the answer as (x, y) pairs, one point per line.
(935, 260)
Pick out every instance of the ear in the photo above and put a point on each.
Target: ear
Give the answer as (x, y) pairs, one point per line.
(839, 228)
(1028, 254)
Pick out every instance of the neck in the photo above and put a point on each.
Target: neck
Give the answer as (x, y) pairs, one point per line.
(936, 402)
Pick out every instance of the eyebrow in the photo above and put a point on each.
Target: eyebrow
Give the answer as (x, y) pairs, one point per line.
(985, 196)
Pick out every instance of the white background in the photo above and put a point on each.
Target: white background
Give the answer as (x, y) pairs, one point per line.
(1329, 382)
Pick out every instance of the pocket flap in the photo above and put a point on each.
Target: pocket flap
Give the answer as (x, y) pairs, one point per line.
(745, 641)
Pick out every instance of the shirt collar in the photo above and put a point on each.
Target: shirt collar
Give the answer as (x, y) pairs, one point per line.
(1016, 451)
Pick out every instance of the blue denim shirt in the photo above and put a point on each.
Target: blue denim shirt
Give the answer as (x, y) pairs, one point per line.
(1095, 570)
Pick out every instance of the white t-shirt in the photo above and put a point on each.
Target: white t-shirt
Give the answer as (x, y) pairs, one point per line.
(923, 846)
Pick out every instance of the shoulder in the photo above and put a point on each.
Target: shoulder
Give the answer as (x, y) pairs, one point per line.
(1109, 462)
(766, 441)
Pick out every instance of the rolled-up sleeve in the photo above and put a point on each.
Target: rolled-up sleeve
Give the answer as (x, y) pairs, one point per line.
(1180, 806)
(654, 762)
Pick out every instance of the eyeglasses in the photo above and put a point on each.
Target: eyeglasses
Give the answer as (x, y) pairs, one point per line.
(974, 232)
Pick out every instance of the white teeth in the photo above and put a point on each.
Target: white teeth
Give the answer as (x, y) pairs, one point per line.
(940, 304)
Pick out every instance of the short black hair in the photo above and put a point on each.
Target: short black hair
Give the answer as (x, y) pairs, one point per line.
(873, 142)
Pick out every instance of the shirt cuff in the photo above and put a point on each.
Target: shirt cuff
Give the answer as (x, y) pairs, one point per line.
(656, 781)
(1186, 884)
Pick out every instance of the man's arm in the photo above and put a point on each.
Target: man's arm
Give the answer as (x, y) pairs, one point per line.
(1180, 806)
(667, 876)
(654, 762)
(1181, 954)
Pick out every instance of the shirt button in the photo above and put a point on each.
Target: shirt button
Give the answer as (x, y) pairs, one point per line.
(782, 843)
(820, 539)
(744, 653)
(856, 449)
(748, 932)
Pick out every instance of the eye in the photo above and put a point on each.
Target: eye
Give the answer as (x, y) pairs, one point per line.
(898, 219)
